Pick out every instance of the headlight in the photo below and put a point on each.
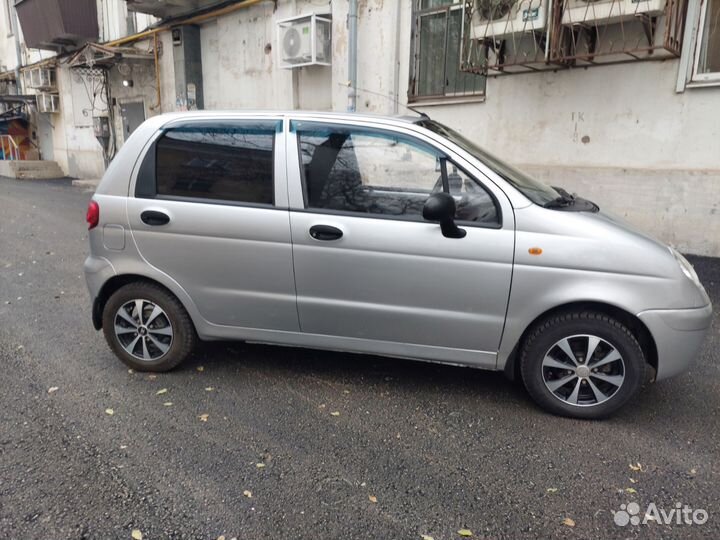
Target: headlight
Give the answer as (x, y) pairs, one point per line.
(686, 267)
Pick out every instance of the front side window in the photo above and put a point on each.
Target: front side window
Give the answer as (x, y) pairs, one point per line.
(228, 163)
(366, 171)
(436, 50)
(707, 61)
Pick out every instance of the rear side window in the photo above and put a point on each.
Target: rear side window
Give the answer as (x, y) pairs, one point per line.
(228, 163)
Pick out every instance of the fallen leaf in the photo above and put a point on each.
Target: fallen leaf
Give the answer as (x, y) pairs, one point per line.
(636, 467)
(568, 522)
(426, 537)
(221, 537)
(693, 471)
(161, 391)
(630, 490)
(109, 412)
(204, 417)
(136, 534)
(260, 465)
(347, 392)
(552, 490)
(209, 389)
(372, 498)
(335, 413)
(465, 532)
(53, 389)
(247, 493)
(167, 404)
(200, 368)
(123, 446)
(632, 480)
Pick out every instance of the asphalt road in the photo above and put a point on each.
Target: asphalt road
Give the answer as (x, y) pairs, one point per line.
(439, 448)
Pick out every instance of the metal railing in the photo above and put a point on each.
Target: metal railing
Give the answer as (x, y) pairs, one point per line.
(10, 148)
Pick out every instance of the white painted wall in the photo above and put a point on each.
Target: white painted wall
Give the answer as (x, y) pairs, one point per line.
(113, 20)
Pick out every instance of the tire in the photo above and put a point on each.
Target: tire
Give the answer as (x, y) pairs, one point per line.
(594, 388)
(161, 341)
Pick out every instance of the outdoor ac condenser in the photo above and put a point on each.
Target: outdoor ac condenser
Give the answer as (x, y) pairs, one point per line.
(609, 11)
(304, 41)
(48, 103)
(40, 78)
(501, 18)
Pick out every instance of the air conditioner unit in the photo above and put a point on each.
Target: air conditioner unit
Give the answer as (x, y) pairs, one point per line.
(609, 11)
(500, 18)
(304, 41)
(40, 78)
(48, 103)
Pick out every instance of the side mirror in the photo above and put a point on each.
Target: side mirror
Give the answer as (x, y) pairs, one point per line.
(441, 207)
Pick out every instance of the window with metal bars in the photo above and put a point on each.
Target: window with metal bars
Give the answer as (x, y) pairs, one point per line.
(436, 45)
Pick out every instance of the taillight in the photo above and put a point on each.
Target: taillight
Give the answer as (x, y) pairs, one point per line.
(93, 214)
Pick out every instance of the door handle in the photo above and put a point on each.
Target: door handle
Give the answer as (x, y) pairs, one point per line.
(325, 232)
(153, 217)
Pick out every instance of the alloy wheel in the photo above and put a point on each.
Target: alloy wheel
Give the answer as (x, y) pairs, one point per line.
(143, 329)
(583, 370)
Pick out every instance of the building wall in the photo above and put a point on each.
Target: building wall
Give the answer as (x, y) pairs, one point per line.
(617, 134)
(115, 21)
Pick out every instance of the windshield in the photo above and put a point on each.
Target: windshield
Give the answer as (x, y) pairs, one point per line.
(537, 192)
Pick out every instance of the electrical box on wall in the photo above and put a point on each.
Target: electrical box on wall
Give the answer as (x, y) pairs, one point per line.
(304, 41)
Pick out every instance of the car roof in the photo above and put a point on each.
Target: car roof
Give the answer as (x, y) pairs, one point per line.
(330, 115)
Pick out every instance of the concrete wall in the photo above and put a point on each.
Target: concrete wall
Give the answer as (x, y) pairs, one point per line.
(75, 147)
(115, 21)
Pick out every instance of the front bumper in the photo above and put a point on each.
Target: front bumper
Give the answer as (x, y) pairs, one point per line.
(678, 335)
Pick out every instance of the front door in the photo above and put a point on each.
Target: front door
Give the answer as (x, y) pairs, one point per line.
(133, 114)
(213, 216)
(368, 267)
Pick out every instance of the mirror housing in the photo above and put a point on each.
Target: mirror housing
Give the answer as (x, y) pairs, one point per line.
(441, 207)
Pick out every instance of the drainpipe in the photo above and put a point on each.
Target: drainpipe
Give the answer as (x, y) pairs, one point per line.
(396, 67)
(18, 79)
(352, 55)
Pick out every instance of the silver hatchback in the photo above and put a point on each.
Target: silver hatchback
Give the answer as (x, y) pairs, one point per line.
(390, 236)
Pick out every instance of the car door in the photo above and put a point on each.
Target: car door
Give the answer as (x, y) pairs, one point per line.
(370, 270)
(210, 211)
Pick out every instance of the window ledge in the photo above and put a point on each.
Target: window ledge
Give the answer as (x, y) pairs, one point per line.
(702, 84)
(430, 102)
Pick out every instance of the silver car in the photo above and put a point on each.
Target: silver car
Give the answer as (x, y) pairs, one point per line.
(389, 236)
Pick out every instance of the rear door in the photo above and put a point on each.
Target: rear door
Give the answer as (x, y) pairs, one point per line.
(210, 211)
(369, 269)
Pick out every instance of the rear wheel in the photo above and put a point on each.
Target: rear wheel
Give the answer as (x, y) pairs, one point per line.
(582, 364)
(147, 327)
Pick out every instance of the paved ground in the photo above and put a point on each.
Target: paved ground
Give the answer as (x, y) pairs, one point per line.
(440, 448)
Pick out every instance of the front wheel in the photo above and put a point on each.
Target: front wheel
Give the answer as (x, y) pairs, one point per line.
(147, 327)
(582, 364)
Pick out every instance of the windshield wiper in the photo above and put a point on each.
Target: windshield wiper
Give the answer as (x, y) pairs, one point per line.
(565, 199)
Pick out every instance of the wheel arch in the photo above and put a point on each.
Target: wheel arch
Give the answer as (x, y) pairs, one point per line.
(115, 283)
(633, 323)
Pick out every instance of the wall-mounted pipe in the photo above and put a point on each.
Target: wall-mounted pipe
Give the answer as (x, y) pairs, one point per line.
(158, 104)
(352, 55)
(192, 20)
